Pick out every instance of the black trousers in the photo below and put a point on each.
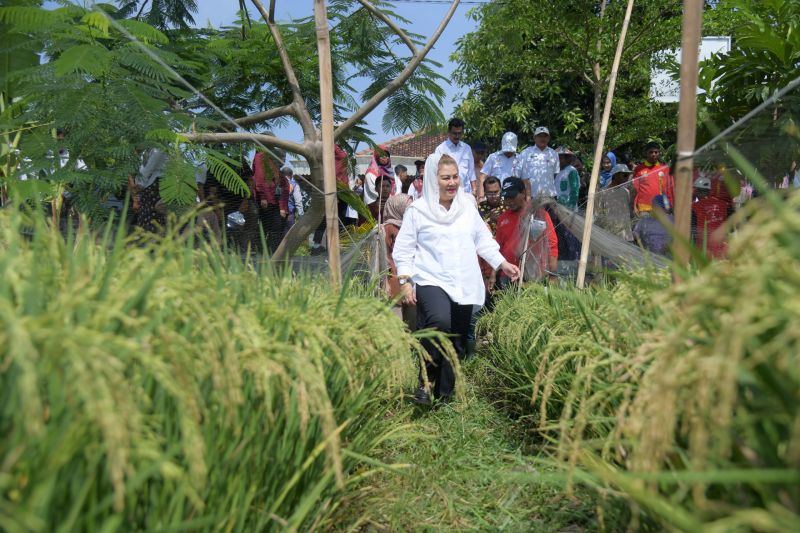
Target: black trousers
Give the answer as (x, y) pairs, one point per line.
(436, 310)
(273, 225)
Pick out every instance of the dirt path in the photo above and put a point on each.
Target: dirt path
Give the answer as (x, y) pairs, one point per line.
(463, 469)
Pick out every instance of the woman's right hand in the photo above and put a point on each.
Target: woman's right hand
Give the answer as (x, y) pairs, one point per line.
(407, 290)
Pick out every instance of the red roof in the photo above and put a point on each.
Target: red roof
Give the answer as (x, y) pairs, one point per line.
(418, 145)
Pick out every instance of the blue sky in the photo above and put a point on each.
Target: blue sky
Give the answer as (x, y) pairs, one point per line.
(424, 17)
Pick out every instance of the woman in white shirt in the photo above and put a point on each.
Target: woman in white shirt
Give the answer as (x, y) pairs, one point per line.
(436, 254)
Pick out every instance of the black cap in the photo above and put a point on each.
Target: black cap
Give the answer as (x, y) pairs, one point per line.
(652, 144)
(512, 187)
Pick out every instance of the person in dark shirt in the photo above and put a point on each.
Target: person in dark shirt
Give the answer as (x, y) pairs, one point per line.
(650, 233)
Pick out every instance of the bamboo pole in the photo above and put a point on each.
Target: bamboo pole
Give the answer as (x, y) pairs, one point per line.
(687, 129)
(326, 119)
(598, 150)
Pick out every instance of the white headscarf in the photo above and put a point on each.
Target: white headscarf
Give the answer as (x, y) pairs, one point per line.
(429, 205)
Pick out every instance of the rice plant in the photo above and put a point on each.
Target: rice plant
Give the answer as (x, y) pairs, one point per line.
(164, 385)
(683, 399)
(562, 356)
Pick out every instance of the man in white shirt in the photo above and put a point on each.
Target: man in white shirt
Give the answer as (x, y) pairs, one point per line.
(461, 152)
(538, 165)
(500, 164)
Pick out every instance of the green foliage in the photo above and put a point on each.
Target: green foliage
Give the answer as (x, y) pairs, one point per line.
(166, 386)
(764, 58)
(89, 59)
(348, 196)
(462, 468)
(247, 74)
(220, 167)
(177, 186)
(558, 360)
(528, 65)
(103, 91)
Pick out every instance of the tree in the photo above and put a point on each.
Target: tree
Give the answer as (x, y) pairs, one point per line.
(111, 97)
(364, 37)
(120, 86)
(531, 64)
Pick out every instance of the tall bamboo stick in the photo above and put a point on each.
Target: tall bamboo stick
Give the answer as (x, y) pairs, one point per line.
(687, 128)
(328, 163)
(598, 150)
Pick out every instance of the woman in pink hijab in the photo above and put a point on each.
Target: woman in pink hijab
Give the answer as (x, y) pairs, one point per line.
(381, 165)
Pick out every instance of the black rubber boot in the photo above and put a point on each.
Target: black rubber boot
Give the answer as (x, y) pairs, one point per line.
(421, 397)
(470, 350)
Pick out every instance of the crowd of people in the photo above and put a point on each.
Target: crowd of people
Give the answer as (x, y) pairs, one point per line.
(462, 226)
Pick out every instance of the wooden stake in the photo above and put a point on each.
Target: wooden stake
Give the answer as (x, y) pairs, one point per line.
(598, 150)
(328, 162)
(687, 129)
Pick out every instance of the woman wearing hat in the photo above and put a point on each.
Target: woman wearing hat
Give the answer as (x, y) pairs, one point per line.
(436, 254)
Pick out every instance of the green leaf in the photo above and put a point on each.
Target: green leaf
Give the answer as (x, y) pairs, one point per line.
(97, 19)
(349, 197)
(178, 186)
(89, 58)
(227, 176)
(27, 18)
(143, 31)
(165, 136)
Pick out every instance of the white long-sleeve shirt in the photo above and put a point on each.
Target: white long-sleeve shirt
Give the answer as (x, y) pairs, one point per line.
(462, 153)
(446, 255)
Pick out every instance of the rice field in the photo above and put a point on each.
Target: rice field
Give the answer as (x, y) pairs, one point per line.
(164, 384)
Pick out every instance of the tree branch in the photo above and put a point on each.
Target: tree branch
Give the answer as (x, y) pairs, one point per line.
(636, 37)
(244, 137)
(389, 22)
(302, 113)
(401, 78)
(139, 14)
(261, 116)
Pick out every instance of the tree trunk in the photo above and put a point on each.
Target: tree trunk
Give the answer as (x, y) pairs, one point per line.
(310, 220)
(597, 111)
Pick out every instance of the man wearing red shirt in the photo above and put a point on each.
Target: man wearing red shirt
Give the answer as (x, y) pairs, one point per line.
(508, 230)
(709, 213)
(272, 196)
(651, 179)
